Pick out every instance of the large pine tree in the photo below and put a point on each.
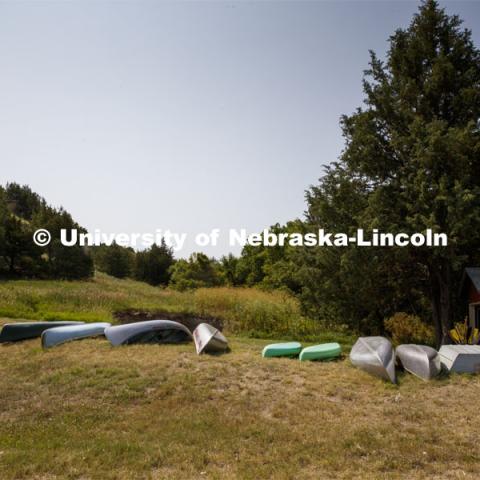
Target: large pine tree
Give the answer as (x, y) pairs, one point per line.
(412, 156)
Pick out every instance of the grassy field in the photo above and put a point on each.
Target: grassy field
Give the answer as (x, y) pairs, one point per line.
(86, 410)
(248, 311)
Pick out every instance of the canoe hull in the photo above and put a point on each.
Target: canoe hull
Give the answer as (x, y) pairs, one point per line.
(325, 351)
(420, 360)
(59, 335)
(376, 356)
(209, 339)
(15, 332)
(460, 358)
(148, 332)
(289, 349)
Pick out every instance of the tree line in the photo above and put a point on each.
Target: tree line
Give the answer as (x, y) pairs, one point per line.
(411, 162)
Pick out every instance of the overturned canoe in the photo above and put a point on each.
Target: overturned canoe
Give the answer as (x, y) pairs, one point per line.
(151, 331)
(289, 349)
(14, 332)
(460, 358)
(375, 355)
(324, 351)
(209, 339)
(422, 361)
(58, 335)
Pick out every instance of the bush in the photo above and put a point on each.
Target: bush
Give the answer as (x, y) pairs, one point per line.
(197, 272)
(405, 328)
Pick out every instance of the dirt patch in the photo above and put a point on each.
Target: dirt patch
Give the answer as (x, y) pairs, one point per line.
(189, 320)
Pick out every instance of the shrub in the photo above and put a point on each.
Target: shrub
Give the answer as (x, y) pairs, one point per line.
(405, 328)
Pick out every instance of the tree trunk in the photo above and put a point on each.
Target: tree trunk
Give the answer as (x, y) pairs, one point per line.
(11, 266)
(440, 293)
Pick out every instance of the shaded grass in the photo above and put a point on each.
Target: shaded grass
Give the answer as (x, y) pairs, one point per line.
(88, 410)
(249, 311)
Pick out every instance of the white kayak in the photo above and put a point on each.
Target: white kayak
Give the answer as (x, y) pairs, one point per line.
(209, 339)
(421, 360)
(376, 356)
(58, 335)
(150, 331)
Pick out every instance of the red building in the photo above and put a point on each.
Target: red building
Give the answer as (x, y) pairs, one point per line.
(471, 291)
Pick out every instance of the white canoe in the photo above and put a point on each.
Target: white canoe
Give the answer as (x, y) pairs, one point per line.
(151, 331)
(58, 335)
(460, 358)
(209, 339)
(376, 356)
(422, 361)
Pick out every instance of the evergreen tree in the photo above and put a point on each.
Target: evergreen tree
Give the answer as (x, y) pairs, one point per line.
(153, 265)
(114, 260)
(412, 152)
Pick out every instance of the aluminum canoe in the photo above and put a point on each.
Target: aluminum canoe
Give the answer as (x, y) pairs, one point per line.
(58, 335)
(460, 358)
(421, 360)
(14, 332)
(376, 356)
(209, 339)
(151, 331)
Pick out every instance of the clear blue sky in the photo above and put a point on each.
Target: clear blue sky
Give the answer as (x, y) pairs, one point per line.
(189, 116)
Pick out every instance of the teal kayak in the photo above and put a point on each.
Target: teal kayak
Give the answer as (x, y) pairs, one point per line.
(289, 349)
(324, 351)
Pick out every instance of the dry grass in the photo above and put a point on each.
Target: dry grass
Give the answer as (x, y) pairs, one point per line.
(248, 311)
(87, 410)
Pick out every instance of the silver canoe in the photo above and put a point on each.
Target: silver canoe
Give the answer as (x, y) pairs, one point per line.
(460, 358)
(375, 355)
(422, 361)
(209, 339)
(58, 335)
(151, 331)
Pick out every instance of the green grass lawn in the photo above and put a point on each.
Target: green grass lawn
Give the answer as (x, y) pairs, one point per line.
(86, 410)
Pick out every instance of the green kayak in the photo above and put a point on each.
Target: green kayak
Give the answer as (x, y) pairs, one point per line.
(324, 351)
(289, 349)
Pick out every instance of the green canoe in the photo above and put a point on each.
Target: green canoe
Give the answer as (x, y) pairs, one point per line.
(324, 351)
(289, 349)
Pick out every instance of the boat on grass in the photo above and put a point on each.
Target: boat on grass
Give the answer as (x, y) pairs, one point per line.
(324, 351)
(376, 356)
(421, 360)
(150, 331)
(209, 339)
(59, 335)
(289, 349)
(460, 358)
(14, 332)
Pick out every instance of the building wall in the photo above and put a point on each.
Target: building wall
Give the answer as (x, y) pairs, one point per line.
(473, 294)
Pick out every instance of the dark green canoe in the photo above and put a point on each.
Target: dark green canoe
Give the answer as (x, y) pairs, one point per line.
(14, 332)
(289, 349)
(324, 351)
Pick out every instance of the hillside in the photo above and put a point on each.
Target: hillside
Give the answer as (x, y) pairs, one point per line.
(247, 311)
(88, 410)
